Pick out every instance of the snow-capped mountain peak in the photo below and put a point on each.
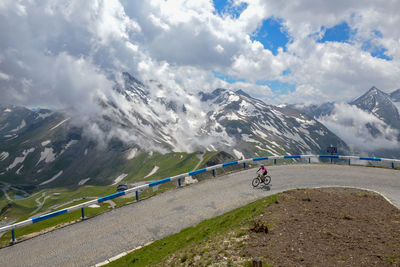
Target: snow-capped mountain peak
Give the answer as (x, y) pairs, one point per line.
(221, 120)
(135, 118)
(369, 123)
(380, 104)
(132, 89)
(252, 123)
(371, 99)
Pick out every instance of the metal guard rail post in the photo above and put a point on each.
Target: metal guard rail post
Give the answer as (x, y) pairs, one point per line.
(179, 177)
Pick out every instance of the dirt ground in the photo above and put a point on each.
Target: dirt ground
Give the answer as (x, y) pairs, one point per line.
(327, 227)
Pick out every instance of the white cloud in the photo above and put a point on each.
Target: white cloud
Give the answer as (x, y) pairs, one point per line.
(119, 36)
(66, 54)
(353, 125)
(219, 48)
(256, 91)
(337, 71)
(4, 76)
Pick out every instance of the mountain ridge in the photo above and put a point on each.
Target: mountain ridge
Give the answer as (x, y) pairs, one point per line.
(219, 120)
(383, 125)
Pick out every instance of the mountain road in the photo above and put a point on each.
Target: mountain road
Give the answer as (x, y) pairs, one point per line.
(94, 240)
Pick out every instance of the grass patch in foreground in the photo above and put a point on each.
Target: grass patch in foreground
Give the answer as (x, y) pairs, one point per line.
(233, 221)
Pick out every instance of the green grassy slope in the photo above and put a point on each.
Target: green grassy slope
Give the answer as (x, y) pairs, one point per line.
(61, 197)
(196, 240)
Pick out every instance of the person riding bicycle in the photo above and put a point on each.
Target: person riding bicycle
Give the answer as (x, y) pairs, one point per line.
(264, 172)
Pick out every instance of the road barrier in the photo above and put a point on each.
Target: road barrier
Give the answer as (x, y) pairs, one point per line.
(137, 189)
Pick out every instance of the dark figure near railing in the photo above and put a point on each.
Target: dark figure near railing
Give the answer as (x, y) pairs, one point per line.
(122, 187)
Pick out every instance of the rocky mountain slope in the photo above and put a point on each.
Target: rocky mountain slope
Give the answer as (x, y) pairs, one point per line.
(380, 104)
(259, 129)
(37, 147)
(42, 148)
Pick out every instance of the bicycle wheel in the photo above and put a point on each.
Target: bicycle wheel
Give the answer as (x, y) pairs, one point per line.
(255, 182)
(267, 179)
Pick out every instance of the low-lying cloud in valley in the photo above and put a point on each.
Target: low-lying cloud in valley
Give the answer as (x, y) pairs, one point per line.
(358, 129)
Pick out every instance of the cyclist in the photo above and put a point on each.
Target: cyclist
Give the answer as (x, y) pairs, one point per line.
(264, 172)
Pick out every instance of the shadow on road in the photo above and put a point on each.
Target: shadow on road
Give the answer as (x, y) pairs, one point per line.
(264, 187)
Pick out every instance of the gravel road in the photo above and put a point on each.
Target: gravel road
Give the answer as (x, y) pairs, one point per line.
(100, 238)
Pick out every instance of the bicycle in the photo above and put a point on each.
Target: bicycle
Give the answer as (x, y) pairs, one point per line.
(256, 181)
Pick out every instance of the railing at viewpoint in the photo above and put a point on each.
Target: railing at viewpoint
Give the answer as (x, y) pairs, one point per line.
(179, 177)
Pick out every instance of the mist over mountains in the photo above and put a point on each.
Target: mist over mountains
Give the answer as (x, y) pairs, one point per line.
(44, 147)
(369, 124)
(219, 120)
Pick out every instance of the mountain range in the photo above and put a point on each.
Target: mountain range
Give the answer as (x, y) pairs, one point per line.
(383, 106)
(43, 148)
(371, 121)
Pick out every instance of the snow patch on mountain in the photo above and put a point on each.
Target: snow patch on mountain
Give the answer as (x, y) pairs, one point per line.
(45, 143)
(262, 148)
(19, 160)
(131, 153)
(59, 124)
(272, 151)
(305, 122)
(233, 97)
(52, 178)
(304, 130)
(153, 171)
(238, 154)
(43, 115)
(270, 128)
(268, 148)
(293, 136)
(247, 138)
(83, 181)
(11, 136)
(211, 148)
(47, 155)
(275, 144)
(22, 125)
(261, 134)
(231, 116)
(4, 155)
(247, 108)
(119, 178)
(68, 145)
(18, 172)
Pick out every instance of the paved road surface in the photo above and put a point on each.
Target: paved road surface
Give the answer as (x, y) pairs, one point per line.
(100, 238)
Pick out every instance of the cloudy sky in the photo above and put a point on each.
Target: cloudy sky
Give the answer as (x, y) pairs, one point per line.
(65, 53)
